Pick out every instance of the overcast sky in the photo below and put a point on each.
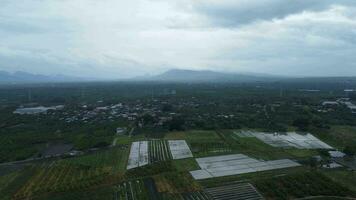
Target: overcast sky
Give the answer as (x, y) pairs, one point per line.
(125, 38)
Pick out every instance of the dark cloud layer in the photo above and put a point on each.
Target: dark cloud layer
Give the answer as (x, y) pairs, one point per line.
(239, 12)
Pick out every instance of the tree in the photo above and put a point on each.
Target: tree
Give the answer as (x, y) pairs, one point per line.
(302, 123)
(176, 124)
(350, 150)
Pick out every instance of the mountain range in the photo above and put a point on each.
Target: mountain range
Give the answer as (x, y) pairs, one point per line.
(193, 76)
(174, 75)
(25, 77)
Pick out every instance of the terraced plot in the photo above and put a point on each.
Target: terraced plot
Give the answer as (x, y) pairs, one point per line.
(235, 164)
(290, 139)
(242, 191)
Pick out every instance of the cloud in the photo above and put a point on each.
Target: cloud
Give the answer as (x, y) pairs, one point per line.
(119, 39)
(239, 12)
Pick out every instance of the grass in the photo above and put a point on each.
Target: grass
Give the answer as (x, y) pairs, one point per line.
(337, 136)
(13, 182)
(114, 159)
(193, 136)
(101, 193)
(188, 164)
(300, 185)
(123, 140)
(6, 180)
(176, 182)
(343, 177)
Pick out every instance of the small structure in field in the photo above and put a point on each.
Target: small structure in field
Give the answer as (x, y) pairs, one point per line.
(120, 131)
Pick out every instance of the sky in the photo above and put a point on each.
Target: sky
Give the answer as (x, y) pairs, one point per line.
(115, 39)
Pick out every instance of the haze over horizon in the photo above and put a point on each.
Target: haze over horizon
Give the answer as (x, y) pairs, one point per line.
(123, 39)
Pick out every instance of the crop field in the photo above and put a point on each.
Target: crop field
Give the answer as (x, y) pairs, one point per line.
(94, 193)
(241, 191)
(338, 136)
(186, 165)
(67, 174)
(138, 189)
(193, 136)
(158, 151)
(114, 159)
(138, 155)
(179, 149)
(228, 165)
(61, 177)
(176, 183)
(254, 147)
(343, 177)
(11, 183)
(131, 190)
(202, 143)
(290, 139)
(208, 149)
(148, 152)
(300, 185)
(199, 195)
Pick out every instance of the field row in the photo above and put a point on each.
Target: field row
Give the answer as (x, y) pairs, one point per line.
(146, 152)
(159, 151)
(75, 173)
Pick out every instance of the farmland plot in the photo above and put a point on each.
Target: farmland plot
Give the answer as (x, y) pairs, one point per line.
(147, 152)
(131, 190)
(179, 149)
(242, 191)
(200, 195)
(209, 149)
(159, 151)
(136, 190)
(235, 164)
(138, 155)
(290, 139)
(55, 177)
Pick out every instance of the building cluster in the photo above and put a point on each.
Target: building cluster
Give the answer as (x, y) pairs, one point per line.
(330, 105)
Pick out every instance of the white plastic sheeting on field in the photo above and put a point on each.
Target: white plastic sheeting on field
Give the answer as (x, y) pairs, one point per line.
(179, 149)
(138, 155)
(235, 164)
(290, 139)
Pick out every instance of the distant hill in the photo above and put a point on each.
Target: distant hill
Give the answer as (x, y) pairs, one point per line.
(192, 76)
(24, 77)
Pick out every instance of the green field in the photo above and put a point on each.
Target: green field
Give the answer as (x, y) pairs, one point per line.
(299, 185)
(338, 136)
(78, 173)
(343, 177)
(103, 175)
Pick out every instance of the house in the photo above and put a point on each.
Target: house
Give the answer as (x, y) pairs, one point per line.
(120, 131)
(330, 103)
